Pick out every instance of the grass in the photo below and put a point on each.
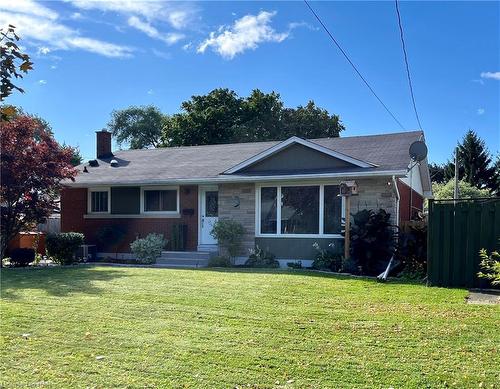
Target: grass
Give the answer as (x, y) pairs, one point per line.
(129, 327)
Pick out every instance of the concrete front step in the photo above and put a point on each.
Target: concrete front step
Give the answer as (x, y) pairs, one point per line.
(185, 255)
(183, 262)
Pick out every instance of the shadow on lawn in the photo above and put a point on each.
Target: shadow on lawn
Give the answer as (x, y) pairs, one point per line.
(56, 281)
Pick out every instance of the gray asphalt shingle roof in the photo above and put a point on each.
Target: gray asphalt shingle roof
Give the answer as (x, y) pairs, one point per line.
(387, 151)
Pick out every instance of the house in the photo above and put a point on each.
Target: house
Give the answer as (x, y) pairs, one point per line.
(155, 190)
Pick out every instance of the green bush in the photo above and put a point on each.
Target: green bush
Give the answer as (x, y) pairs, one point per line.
(62, 247)
(148, 249)
(229, 235)
(412, 252)
(21, 257)
(373, 240)
(327, 259)
(219, 261)
(349, 265)
(490, 266)
(261, 258)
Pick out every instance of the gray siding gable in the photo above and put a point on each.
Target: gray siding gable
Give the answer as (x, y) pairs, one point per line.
(297, 158)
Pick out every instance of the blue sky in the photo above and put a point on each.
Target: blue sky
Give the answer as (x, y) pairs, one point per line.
(92, 57)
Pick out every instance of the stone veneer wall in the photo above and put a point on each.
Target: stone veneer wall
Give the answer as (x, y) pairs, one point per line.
(375, 193)
(244, 213)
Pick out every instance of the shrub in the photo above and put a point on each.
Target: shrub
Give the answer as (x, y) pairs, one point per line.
(62, 247)
(21, 257)
(326, 259)
(148, 249)
(219, 261)
(110, 236)
(490, 266)
(412, 252)
(261, 258)
(294, 265)
(229, 234)
(373, 240)
(350, 265)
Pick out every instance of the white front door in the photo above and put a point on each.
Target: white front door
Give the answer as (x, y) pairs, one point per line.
(209, 212)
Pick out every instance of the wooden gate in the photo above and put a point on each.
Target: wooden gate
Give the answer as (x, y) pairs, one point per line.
(457, 231)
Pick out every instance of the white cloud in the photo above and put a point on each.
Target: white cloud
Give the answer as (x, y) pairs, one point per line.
(28, 7)
(53, 67)
(492, 75)
(176, 15)
(44, 50)
(76, 16)
(481, 111)
(151, 92)
(42, 82)
(37, 25)
(152, 32)
(187, 46)
(246, 33)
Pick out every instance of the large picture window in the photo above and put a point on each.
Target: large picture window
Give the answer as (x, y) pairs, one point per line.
(160, 200)
(299, 210)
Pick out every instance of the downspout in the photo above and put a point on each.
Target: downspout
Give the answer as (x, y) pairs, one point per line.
(398, 197)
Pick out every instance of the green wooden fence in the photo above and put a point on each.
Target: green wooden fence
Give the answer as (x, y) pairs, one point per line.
(457, 230)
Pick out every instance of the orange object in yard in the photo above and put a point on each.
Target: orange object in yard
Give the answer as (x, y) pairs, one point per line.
(27, 240)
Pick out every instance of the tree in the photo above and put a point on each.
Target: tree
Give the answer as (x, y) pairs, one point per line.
(222, 116)
(437, 172)
(33, 166)
(209, 119)
(76, 156)
(13, 64)
(475, 160)
(140, 127)
(445, 191)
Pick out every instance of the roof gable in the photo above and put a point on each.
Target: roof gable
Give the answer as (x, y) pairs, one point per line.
(309, 156)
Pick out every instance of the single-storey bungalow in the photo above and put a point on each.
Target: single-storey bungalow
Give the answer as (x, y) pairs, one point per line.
(284, 193)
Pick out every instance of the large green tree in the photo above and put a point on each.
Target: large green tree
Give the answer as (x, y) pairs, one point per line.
(138, 127)
(221, 116)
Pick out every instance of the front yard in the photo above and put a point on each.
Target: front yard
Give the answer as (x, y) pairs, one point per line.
(129, 327)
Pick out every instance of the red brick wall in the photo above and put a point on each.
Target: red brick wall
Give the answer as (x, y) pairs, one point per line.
(404, 202)
(74, 206)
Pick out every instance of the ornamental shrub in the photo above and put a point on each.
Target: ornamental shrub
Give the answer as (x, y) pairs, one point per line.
(148, 249)
(373, 240)
(62, 247)
(21, 257)
(490, 266)
(261, 258)
(327, 259)
(229, 234)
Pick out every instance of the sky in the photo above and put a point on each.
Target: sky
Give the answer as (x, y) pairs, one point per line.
(91, 57)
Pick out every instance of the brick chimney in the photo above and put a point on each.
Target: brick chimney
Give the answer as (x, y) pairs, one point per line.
(103, 139)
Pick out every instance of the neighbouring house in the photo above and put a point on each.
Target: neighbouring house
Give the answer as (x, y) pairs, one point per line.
(284, 193)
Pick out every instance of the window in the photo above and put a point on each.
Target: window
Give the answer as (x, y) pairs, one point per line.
(332, 210)
(304, 210)
(161, 200)
(268, 211)
(300, 210)
(212, 203)
(99, 201)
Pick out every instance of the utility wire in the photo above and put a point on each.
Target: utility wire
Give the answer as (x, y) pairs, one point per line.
(401, 34)
(352, 64)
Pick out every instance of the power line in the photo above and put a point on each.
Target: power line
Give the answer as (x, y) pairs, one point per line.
(406, 63)
(352, 64)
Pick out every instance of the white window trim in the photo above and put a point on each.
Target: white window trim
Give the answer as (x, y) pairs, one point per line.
(89, 199)
(146, 188)
(278, 233)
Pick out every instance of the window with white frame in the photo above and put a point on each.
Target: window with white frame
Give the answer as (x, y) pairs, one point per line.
(99, 200)
(164, 200)
(302, 210)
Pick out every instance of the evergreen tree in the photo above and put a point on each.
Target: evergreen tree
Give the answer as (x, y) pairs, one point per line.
(475, 160)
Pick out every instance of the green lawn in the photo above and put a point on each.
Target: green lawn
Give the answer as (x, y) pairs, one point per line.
(226, 329)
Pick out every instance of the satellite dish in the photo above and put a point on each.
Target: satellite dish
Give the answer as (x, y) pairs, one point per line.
(418, 151)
